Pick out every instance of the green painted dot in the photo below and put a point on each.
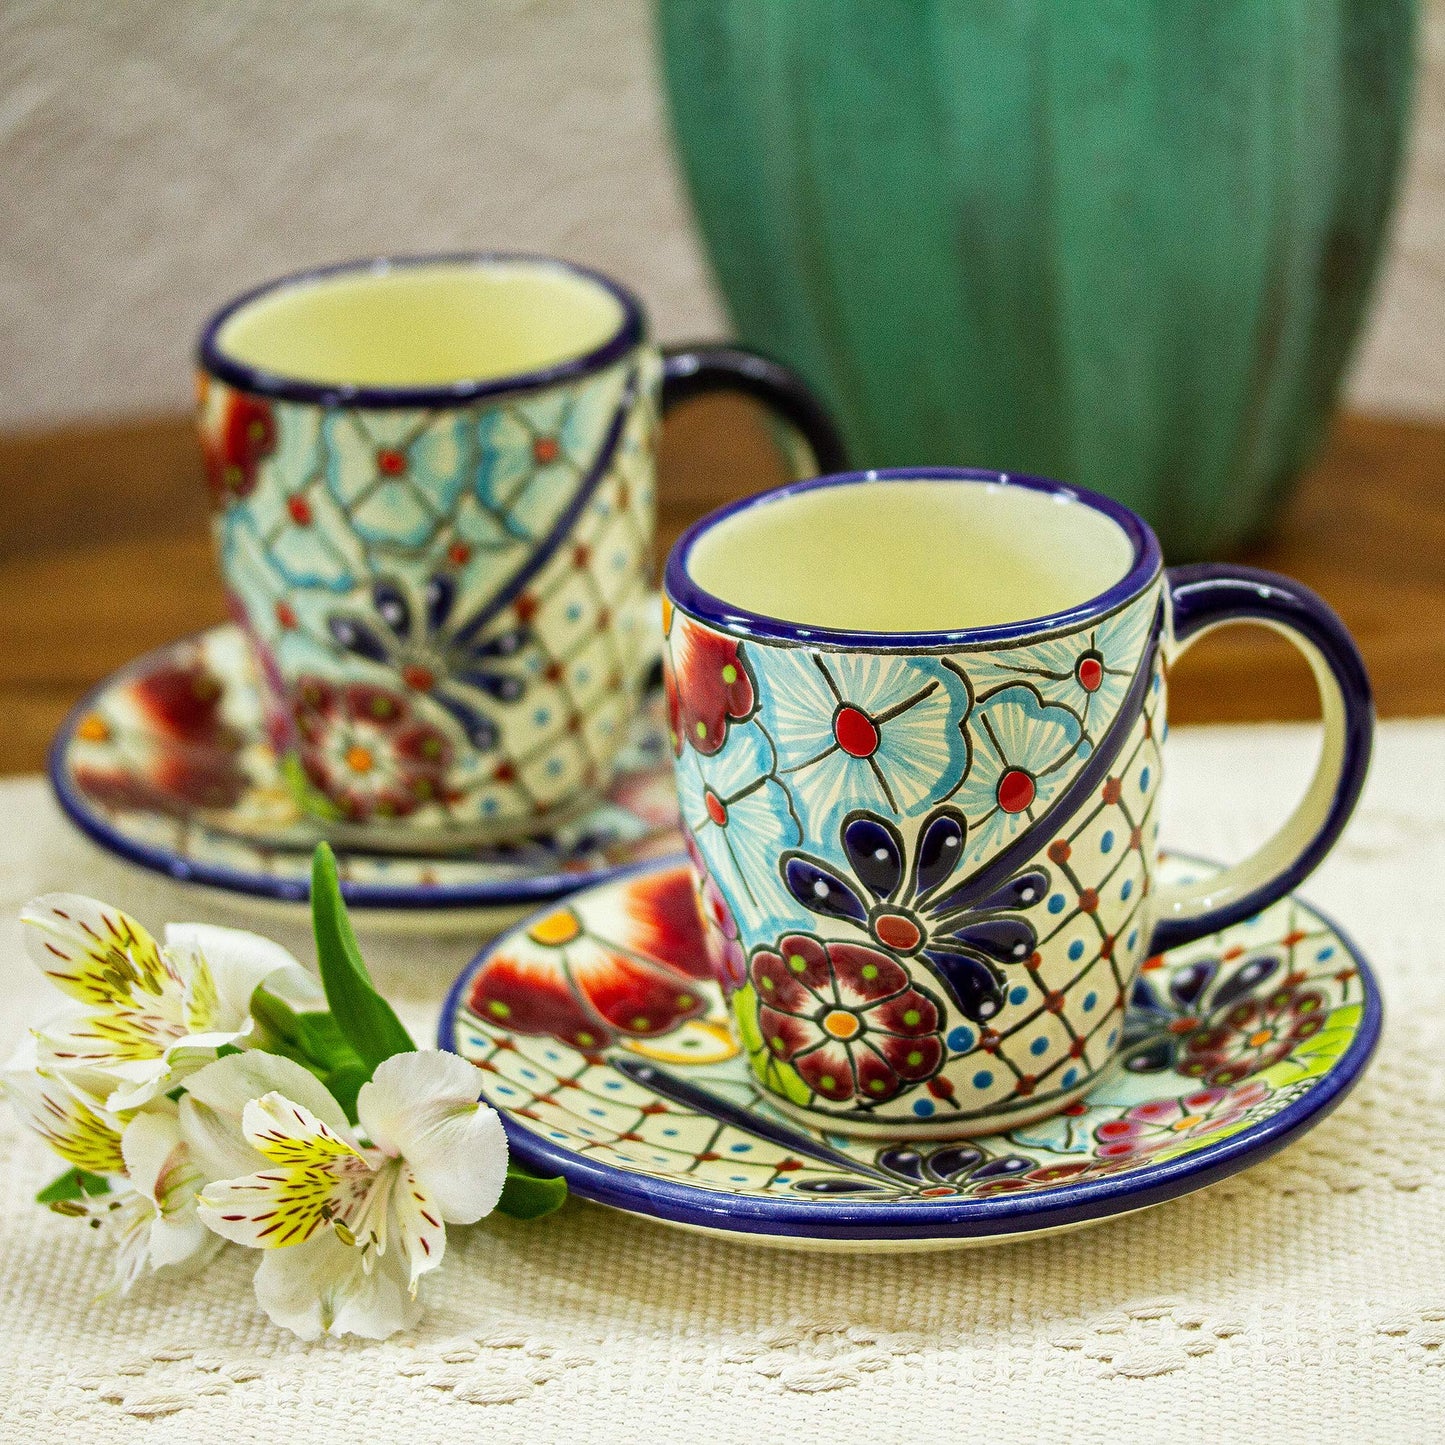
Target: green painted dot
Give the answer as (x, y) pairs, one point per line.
(768, 984)
(586, 1040)
(877, 1086)
(641, 1023)
(701, 729)
(778, 1045)
(730, 674)
(869, 970)
(827, 1082)
(498, 1009)
(685, 1000)
(911, 1017)
(915, 1057)
(797, 963)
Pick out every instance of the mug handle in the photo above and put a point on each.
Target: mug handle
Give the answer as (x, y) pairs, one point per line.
(1203, 598)
(689, 371)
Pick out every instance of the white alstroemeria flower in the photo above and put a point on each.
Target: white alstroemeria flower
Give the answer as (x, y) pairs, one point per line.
(350, 1226)
(154, 1183)
(155, 1219)
(66, 1110)
(150, 1015)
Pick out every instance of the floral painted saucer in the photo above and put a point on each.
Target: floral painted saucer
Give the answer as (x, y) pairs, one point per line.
(606, 1049)
(167, 763)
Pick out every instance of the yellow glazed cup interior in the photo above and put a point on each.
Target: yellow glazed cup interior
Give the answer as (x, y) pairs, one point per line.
(921, 555)
(437, 324)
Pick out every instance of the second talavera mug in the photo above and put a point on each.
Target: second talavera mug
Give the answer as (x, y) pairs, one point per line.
(917, 718)
(433, 481)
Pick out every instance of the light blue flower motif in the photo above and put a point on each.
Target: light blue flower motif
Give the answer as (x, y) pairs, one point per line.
(1022, 751)
(534, 455)
(1068, 1132)
(1088, 671)
(298, 557)
(863, 730)
(743, 821)
(396, 475)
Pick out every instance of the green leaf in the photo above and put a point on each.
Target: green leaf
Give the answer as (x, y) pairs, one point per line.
(313, 1039)
(365, 1019)
(344, 1084)
(529, 1196)
(73, 1184)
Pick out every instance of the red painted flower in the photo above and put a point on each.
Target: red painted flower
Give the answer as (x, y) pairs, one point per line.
(173, 783)
(176, 756)
(234, 452)
(1044, 1176)
(181, 702)
(1253, 1035)
(720, 928)
(707, 683)
(846, 1018)
(1161, 1123)
(367, 751)
(625, 961)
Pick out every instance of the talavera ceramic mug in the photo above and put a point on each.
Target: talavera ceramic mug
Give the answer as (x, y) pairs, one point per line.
(917, 717)
(433, 481)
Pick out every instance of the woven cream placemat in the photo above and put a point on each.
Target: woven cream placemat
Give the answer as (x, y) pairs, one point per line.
(1301, 1301)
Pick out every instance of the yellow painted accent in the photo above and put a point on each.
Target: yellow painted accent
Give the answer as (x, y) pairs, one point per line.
(840, 1023)
(424, 325)
(358, 758)
(698, 1041)
(555, 929)
(93, 729)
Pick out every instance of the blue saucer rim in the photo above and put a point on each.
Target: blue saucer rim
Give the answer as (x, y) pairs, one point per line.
(538, 889)
(943, 1218)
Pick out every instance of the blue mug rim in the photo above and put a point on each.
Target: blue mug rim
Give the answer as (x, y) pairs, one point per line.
(726, 616)
(631, 332)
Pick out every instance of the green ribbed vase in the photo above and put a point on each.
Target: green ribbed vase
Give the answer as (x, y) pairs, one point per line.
(1124, 244)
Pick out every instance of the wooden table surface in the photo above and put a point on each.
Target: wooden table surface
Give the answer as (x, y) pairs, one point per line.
(104, 553)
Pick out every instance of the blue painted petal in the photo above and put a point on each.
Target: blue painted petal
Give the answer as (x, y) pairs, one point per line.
(940, 846)
(466, 633)
(395, 611)
(901, 1160)
(481, 731)
(1023, 890)
(1009, 1164)
(1188, 983)
(1144, 999)
(1245, 980)
(504, 644)
(970, 980)
(499, 685)
(820, 891)
(953, 1161)
(876, 852)
(1152, 1056)
(1009, 940)
(441, 594)
(357, 637)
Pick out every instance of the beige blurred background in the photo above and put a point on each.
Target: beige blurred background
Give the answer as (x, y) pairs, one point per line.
(156, 156)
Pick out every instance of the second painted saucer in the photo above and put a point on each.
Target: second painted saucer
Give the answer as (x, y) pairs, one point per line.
(606, 1048)
(167, 764)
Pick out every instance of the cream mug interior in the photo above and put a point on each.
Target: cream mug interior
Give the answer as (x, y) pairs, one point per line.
(447, 323)
(932, 556)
